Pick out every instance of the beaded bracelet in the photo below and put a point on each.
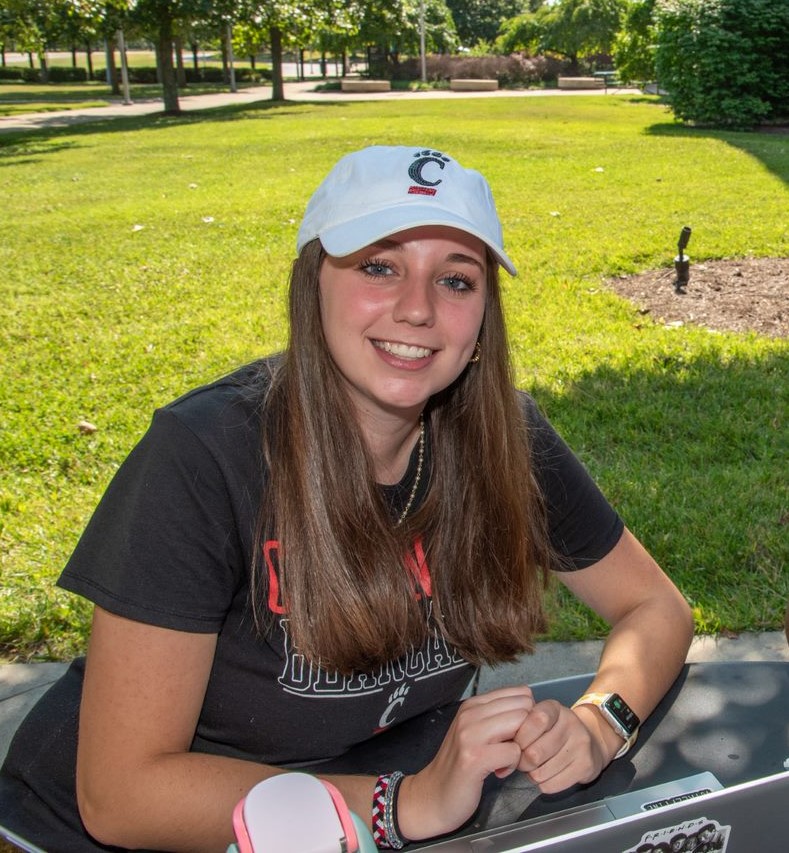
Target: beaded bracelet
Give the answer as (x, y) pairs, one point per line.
(386, 832)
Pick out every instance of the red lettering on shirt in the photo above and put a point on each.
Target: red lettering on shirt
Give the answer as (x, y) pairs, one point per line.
(270, 550)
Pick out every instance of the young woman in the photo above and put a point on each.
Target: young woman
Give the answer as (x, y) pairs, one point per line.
(330, 541)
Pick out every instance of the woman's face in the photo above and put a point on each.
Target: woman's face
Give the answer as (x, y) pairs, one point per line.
(401, 317)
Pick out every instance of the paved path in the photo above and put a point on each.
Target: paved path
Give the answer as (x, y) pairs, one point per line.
(293, 92)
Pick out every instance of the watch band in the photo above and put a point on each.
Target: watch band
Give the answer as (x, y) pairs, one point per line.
(604, 702)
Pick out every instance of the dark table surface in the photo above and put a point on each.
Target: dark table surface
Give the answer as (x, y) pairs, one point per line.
(731, 719)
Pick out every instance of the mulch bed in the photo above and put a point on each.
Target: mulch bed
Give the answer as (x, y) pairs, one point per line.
(746, 294)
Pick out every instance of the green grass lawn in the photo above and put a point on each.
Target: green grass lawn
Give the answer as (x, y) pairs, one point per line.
(17, 98)
(144, 256)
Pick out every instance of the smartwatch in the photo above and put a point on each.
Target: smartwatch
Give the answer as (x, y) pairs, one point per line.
(617, 713)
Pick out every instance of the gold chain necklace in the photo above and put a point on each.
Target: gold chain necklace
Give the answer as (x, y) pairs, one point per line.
(418, 477)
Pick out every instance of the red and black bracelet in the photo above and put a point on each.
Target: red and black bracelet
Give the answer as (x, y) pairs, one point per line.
(386, 832)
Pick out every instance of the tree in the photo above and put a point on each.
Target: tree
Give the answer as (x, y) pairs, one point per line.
(287, 23)
(724, 62)
(568, 28)
(37, 26)
(156, 19)
(635, 44)
(392, 26)
(480, 20)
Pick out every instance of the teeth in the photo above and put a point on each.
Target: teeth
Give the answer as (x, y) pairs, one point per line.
(403, 350)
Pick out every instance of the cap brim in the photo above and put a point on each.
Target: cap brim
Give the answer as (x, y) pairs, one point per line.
(354, 234)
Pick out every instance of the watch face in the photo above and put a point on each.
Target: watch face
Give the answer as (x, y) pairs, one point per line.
(622, 713)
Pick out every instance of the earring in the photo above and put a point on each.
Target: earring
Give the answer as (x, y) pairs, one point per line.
(477, 353)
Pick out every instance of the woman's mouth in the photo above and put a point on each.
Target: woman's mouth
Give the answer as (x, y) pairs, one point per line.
(403, 350)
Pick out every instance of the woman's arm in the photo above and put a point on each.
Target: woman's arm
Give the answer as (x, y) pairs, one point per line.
(139, 786)
(137, 783)
(651, 630)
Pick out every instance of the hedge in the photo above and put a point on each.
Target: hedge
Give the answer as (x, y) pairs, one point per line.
(724, 63)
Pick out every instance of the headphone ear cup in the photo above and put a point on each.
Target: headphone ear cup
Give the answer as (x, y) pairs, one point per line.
(343, 815)
(294, 811)
(290, 811)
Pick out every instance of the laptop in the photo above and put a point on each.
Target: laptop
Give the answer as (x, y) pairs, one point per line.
(695, 814)
(17, 842)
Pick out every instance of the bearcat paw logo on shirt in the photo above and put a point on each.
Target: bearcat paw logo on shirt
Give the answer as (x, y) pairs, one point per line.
(395, 700)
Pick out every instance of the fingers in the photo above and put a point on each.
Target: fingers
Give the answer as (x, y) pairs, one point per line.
(501, 732)
(538, 726)
(479, 742)
(483, 733)
(522, 692)
(557, 750)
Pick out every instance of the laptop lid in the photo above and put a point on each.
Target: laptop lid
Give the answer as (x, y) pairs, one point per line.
(17, 841)
(676, 818)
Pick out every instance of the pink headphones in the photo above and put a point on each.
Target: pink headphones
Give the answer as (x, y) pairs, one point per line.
(296, 811)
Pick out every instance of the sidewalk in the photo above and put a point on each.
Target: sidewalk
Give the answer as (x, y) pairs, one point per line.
(21, 685)
(298, 91)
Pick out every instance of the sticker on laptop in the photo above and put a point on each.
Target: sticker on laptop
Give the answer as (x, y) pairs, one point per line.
(694, 836)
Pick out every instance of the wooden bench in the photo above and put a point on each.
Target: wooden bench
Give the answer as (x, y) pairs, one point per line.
(581, 83)
(469, 84)
(362, 84)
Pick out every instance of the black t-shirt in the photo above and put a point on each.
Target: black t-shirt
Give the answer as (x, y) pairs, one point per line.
(171, 543)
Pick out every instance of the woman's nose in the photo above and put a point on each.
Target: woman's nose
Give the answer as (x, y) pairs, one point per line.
(414, 303)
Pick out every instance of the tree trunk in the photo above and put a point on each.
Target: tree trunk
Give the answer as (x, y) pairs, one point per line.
(179, 62)
(164, 60)
(113, 81)
(225, 63)
(195, 60)
(277, 85)
(252, 61)
(42, 61)
(73, 56)
(89, 59)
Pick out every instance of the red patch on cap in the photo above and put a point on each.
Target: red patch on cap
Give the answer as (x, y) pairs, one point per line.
(421, 191)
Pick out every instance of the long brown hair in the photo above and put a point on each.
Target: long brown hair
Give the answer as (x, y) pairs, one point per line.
(350, 601)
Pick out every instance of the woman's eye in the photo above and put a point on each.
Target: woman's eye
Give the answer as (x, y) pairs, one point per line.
(458, 283)
(377, 269)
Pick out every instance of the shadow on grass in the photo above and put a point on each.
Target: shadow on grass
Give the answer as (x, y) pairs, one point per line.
(768, 146)
(693, 453)
(32, 144)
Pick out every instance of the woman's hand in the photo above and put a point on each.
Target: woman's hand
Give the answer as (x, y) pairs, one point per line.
(480, 741)
(558, 749)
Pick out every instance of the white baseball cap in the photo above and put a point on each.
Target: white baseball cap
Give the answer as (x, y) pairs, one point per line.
(380, 190)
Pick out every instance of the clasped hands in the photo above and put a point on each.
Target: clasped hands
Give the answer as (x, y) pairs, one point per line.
(500, 732)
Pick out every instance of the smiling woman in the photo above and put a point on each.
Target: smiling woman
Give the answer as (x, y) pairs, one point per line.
(327, 542)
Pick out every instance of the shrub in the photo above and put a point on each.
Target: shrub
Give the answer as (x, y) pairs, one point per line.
(210, 74)
(8, 73)
(510, 71)
(66, 74)
(137, 74)
(724, 63)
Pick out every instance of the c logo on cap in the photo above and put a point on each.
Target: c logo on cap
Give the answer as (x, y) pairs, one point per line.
(425, 157)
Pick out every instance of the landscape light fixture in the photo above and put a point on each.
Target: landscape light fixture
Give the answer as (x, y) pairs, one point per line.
(682, 261)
